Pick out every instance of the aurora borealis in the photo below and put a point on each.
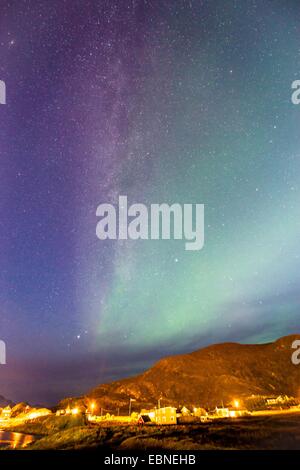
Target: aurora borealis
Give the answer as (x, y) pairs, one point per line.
(185, 101)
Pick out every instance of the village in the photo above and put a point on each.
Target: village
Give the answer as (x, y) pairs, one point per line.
(159, 415)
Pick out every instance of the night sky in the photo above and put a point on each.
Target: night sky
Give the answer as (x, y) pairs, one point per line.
(163, 101)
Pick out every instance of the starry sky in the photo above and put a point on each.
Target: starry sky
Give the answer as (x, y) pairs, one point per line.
(184, 101)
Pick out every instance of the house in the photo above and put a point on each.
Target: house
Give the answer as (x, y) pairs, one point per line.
(234, 413)
(150, 413)
(6, 412)
(166, 415)
(230, 412)
(222, 412)
(277, 400)
(185, 411)
(143, 419)
(199, 412)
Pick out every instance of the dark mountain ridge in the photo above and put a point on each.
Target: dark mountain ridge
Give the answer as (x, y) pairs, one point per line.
(5, 402)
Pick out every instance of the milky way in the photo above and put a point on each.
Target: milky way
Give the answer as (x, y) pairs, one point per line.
(163, 101)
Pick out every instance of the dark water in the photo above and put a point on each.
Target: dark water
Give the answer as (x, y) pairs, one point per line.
(14, 440)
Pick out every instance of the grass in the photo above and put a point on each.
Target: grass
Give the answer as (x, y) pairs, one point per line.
(45, 425)
(259, 432)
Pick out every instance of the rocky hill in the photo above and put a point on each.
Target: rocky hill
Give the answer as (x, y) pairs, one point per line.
(208, 377)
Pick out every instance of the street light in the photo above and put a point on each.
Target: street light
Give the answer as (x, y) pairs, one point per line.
(92, 406)
(130, 401)
(158, 402)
